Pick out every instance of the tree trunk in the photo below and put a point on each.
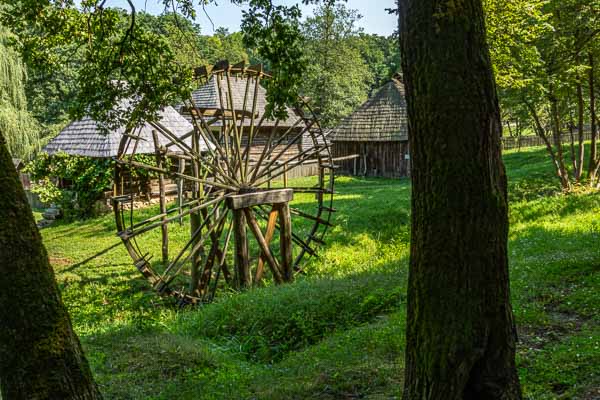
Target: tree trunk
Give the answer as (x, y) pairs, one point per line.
(460, 329)
(541, 132)
(593, 162)
(40, 355)
(580, 136)
(556, 131)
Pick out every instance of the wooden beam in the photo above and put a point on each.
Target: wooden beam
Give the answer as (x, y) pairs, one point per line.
(242, 264)
(263, 245)
(163, 201)
(271, 225)
(285, 241)
(238, 201)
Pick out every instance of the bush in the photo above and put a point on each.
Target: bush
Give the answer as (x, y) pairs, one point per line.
(84, 179)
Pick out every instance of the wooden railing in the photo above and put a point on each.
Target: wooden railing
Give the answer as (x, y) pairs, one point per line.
(511, 142)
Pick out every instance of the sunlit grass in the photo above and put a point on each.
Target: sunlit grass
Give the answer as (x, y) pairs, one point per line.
(337, 332)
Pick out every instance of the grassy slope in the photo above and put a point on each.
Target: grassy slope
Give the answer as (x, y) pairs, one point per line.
(337, 333)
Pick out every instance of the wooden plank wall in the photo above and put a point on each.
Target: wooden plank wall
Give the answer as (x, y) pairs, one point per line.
(384, 159)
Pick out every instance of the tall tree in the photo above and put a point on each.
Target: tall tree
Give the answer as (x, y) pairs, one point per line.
(337, 79)
(20, 128)
(40, 355)
(460, 329)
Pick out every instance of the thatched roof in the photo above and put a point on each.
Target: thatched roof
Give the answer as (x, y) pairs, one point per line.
(87, 137)
(207, 98)
(381, 118)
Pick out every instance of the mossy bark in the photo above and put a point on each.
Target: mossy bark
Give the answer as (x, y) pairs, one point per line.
(460, 328)
(40, 355)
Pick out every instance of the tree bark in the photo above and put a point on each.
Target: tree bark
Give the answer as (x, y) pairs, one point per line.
(40, 355)
(593, 162)
(460, 328)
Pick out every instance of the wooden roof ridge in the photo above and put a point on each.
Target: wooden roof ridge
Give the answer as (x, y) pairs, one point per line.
(381, 118)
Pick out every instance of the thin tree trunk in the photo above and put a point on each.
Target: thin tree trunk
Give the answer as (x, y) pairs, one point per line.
(460, 327)
(40, 355)
(563, 174)
(580, 135)
(541, 132)
(572, 144)
(593, 162)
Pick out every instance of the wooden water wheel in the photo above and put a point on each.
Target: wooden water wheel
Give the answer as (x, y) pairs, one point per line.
(242, 199)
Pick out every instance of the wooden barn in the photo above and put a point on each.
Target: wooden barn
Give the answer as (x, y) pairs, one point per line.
(378, 133)
(207, 99)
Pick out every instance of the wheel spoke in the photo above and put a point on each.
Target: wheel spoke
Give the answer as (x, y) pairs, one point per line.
(306, 153)
(199, 244)
(272, 161)
(130, 233)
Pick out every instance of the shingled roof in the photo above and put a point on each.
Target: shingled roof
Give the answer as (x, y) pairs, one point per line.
(87, 137)
(381, 118)
(207, 97)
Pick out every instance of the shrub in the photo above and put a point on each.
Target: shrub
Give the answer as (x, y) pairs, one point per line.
(84, 181)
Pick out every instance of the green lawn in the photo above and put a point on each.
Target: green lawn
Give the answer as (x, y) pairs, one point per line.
(337, 332)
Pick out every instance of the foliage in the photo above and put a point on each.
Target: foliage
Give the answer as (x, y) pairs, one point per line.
(348, 338)
(337, 79)
(381, 54)
(76, 183)
(541, 51)
(224, 45)
(117, 48)
(83, 181)
(19, 129)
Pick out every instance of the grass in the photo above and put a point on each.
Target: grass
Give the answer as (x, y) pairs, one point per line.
(337, 332)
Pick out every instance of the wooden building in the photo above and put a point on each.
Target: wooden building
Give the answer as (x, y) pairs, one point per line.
(89, 138)
(378, 133)
(213, 97)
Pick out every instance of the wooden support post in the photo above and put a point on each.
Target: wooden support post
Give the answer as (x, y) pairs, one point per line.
(116, 174)
(242, 264)
(275, 269)
(285, 241)
(180, 188)
(271, 225)
(163, 201)
(285, 177)
(195, 224)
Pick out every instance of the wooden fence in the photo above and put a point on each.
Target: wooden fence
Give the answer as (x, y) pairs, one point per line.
(511, 142)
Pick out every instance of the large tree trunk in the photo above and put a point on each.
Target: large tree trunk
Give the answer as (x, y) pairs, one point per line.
(460, 328)
(40, 355)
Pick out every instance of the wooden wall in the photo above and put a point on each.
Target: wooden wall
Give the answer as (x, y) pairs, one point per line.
(384, 159)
